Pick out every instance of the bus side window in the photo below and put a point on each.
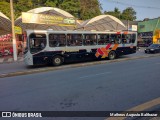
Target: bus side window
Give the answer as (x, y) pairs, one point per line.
(103, 39)
(93, 39)
(57, 40)
(124, 41)
(90, 39)
(113, 38)
(74, 39)
(52, 42)
(62, 40)
(126, 38)
(118, 39)
(133, 38)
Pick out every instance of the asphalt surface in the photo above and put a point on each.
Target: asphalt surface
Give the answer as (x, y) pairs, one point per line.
(114, 86)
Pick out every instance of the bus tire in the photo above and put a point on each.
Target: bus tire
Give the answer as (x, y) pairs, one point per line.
(111, 55)
(57, 60)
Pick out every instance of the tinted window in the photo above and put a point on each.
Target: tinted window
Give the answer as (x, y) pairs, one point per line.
(90, 39)
(74, 39)
(126, 38)
(115, 38)
(103, 39)
(57, 40)
(133, 38)
(37, 42)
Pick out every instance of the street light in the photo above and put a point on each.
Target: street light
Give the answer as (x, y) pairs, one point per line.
(13, 33)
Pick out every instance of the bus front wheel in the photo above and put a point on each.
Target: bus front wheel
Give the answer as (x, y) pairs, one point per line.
(111, 55)
(57, 60)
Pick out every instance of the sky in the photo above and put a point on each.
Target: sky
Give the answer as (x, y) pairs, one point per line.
(144, 8)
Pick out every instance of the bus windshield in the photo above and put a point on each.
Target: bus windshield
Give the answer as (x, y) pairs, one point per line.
(37, 42)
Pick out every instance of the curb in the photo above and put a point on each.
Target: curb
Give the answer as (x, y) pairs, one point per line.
(26, 72)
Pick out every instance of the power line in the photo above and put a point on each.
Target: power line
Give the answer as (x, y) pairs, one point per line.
(138, 6)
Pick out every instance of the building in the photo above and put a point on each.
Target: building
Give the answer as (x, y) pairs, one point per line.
(149, 30)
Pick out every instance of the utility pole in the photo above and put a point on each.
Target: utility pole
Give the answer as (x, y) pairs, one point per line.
(13, 32)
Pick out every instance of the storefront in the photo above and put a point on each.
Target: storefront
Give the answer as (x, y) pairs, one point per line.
(149, 30)
(6, 44)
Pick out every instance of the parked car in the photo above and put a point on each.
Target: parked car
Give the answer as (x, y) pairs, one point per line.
(154, 48)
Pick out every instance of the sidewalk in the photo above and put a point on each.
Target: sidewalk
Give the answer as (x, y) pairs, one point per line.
(10, 59)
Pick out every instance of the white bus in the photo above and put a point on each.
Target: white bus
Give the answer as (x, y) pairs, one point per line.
(57, 47)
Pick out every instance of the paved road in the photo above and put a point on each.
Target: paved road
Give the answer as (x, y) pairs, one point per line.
(105, 87)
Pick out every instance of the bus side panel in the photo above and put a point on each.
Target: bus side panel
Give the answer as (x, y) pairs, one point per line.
(39, 58)
(125, 50)
(79, 56)
(44, 57)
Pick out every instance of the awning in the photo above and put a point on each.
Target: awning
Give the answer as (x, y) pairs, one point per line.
(102, 23)
(49, 11)
(5, 24)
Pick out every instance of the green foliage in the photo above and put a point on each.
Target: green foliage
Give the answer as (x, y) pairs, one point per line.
(81, 9)
(71, 6)
(50, 3)
(5, 8)
(116, 13)
(53, 3)
(89, 9)
(22, 6)
(127, 14)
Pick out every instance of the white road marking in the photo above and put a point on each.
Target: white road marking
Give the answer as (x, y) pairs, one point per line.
(94, 75)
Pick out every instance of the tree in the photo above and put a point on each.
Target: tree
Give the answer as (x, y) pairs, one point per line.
(116, 13)
(71, 6)
(89, 9)
(22, 6)
(128, 14)
(50, 3)
(53, 3)
(82, 9)
(5, 8)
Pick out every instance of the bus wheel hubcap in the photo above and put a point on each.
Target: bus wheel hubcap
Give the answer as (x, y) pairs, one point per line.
(57, 60)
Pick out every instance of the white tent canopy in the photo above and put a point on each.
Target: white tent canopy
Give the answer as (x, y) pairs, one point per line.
(101, 23)
(49, 11)
(5, 24)
(98, 23)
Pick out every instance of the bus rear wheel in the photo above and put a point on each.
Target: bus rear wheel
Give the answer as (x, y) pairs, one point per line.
(111, 55)
(57, 60)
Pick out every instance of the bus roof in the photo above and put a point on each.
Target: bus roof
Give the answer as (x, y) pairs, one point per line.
(75, 31)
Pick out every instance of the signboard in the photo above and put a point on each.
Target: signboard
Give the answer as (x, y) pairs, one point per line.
(17, 30)
(134, 27)
(47, 19)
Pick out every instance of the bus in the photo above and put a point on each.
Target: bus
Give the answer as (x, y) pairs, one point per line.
(58, 47)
